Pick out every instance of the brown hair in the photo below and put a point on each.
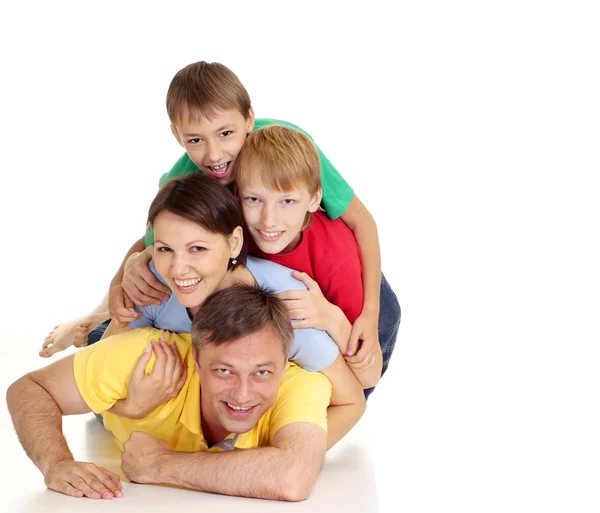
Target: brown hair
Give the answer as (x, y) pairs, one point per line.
(281, 158)
(202, 88)
(231, 313)
(204, 201)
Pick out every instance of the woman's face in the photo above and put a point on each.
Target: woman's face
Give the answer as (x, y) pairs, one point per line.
(192, 260)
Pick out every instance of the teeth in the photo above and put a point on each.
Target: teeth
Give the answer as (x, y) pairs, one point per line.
(238, 408)
(187, 283)
(220, 169)
(270, 235)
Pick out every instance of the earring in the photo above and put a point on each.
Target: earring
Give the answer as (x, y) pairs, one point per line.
(233, 261)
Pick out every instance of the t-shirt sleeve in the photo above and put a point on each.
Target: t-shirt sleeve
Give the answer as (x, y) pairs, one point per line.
(337, 193)
(312, 349)
(304, 398)
(103, 370)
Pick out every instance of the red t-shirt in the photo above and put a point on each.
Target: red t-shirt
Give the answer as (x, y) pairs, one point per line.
(329, 254)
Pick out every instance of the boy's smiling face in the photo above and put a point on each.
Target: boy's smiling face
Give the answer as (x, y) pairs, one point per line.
(275, 219)
(213, 144)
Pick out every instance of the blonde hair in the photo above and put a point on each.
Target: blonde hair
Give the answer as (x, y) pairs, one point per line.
(280, 158)
(202, 88)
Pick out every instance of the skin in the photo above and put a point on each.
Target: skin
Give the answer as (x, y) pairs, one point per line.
(270, 212)
(247, 371)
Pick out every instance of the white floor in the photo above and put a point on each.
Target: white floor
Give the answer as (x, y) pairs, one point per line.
(347, 481)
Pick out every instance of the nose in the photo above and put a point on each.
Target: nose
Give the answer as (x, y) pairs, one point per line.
(180, 265)
(214, 152)
(241, 392)
(268, 216)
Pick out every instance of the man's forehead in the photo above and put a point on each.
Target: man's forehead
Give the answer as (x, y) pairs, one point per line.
(250, 350)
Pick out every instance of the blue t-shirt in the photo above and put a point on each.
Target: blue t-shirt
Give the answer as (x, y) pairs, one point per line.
(312, 349)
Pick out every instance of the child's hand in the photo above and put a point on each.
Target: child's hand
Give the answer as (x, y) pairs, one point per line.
(147, 391)
(307, 308)
(120, 307)
(363, 346)
(140, 284)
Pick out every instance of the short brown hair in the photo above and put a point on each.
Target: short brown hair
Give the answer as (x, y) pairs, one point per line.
(202, 88)
(281, 158)
(229, 314)
(204, 201)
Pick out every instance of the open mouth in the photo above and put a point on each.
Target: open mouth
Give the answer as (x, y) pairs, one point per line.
(221, 171)
(239, 412)
(270, 236)
(187, 286)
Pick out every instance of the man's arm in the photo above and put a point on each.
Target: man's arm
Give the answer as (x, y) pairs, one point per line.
(285, 471)
(37, 402)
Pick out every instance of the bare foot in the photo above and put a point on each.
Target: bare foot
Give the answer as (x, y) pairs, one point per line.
(71, 333)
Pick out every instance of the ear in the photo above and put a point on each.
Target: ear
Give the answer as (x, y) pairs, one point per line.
(250, 120)
(236, 241)
(196, 360)
(175, 133)
(313, 206)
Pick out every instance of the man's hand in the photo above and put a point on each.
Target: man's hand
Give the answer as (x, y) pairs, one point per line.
(147, 391)
(307, 308)
(140, 284)
(80, 479)
(364, 342)
(139, 457)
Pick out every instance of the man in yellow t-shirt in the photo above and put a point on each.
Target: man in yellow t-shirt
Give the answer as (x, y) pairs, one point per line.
(240, 393)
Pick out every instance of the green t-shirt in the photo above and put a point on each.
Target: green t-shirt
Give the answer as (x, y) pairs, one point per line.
(337, 194)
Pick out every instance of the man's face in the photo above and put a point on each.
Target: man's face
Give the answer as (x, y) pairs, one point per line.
(213, 144)
(239, 382)
(275, 219)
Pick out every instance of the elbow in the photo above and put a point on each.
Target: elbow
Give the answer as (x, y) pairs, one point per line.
(13, 393)
(296, 489)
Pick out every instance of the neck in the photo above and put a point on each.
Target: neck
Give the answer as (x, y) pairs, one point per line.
(239, 276)
(211, 429)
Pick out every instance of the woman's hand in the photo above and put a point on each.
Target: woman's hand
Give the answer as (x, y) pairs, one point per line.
(147, 391)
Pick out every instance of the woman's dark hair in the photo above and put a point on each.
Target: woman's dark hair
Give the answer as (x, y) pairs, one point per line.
(204, 201)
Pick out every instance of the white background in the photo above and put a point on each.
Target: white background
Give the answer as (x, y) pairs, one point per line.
(469, 129)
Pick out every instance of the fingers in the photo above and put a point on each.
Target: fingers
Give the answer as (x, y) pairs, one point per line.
(306, 279)
(143, 287)
(353, 342)
(158, 371)
(140, 368)
(290, 295)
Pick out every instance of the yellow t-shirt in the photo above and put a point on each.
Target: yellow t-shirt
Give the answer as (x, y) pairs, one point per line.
(103, 370)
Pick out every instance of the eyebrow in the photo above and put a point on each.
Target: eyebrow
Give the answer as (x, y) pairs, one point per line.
(187, 244)
(220, 129)
(225, 364)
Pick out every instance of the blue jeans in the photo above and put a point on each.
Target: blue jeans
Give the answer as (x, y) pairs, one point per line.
(389, 322)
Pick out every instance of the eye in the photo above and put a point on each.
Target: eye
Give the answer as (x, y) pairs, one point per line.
(289, 201)
(263, 373)
(252, 199)
(197, 249)
(223, 372)
(163, 249)
(225, 133)
(194, 140)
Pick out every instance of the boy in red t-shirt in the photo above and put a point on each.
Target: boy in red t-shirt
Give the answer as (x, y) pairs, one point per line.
(279, 185)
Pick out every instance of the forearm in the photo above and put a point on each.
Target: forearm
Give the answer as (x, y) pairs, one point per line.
(368, 242)
(263, 473)
(369, 376)
(38, 423)
(338, 327)
(138, 246)
(347, 403)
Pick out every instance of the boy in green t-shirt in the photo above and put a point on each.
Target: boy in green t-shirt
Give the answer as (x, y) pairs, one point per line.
(211, 115)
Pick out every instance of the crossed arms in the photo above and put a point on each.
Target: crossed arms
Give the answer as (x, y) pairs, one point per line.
(285, 471)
